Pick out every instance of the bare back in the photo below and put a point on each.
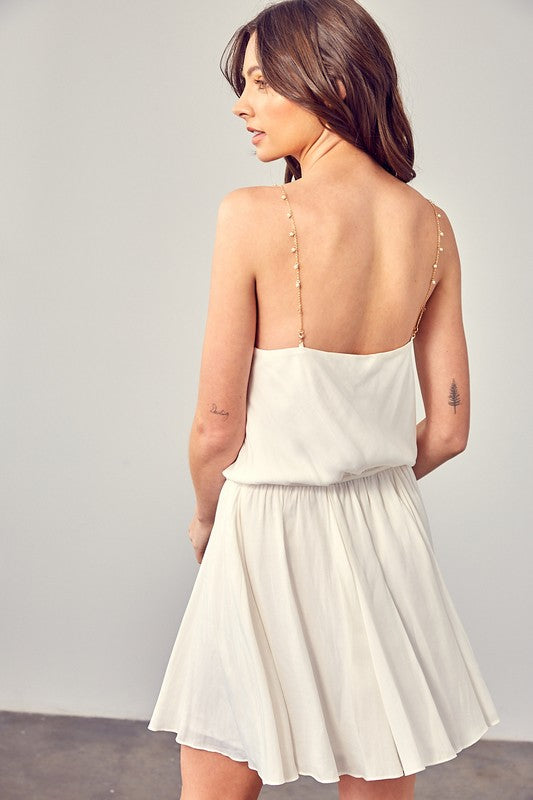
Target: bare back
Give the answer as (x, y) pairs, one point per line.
(366, 265)
(366, 255)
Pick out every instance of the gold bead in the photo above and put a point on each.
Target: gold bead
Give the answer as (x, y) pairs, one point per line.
(433, 281)
(289, 213)
(441, 233)
(441, 249)
(291, 233)
(439, 215)
(434, 266)
(283, 196)
(293, 249)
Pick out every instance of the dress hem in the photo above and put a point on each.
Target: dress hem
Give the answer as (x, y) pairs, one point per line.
(477, 737)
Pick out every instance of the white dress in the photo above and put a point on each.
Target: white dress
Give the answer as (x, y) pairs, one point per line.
(319, 638)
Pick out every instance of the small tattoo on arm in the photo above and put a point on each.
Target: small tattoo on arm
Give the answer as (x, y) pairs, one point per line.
(213, 409)
(453, 397)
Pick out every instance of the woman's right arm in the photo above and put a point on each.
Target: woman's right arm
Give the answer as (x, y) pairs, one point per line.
(442, 365)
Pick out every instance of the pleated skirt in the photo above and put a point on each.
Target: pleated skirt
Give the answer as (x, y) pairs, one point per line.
(320, 638)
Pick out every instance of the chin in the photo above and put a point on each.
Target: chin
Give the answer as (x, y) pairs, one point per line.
(267, 156)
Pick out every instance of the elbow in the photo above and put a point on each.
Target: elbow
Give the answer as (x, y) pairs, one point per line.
(208, 445)
(460, 447)
(455, 445)
(449, 442)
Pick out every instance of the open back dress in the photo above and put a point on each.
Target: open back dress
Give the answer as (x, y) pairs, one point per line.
(320, 638)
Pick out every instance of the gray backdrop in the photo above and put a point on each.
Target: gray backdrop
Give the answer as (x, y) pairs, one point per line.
(117, 143)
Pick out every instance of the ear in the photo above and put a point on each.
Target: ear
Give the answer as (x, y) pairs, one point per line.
(341, 88)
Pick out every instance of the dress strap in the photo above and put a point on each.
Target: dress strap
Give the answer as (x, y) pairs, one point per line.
(432, 281)
(296, 265)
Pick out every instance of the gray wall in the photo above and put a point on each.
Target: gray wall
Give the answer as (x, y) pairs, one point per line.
(117, 144)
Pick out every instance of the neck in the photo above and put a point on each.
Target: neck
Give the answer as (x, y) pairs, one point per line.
(330, 153)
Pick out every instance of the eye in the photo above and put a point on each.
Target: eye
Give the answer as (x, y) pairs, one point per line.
(261, 83)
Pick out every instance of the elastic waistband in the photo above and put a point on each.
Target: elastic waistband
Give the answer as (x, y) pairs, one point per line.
(346, 479)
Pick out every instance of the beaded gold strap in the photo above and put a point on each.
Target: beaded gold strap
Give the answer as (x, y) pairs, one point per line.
(432, 281)
(296, 265)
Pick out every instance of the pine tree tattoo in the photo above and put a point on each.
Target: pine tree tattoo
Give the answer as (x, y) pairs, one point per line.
(454, 399)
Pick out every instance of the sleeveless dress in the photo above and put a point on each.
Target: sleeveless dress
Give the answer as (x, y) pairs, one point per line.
(319, 638)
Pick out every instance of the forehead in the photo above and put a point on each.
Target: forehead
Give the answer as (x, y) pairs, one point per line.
(250, 55)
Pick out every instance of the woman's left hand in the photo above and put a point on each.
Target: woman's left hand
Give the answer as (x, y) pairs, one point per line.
(199, 533)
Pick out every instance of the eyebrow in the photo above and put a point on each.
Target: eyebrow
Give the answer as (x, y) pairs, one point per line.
(250, 70)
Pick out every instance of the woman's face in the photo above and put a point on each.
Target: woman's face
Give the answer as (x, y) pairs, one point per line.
(287, 128)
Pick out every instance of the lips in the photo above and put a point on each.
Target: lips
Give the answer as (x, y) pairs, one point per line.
(254, 130)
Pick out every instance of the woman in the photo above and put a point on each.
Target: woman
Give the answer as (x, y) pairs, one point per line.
(319, 638)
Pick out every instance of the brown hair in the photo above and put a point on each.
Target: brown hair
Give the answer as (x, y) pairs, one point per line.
(303, 46)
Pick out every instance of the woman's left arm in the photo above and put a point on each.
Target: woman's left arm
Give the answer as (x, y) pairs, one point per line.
(220, 419)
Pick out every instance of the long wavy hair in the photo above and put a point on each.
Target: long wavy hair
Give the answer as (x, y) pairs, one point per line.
(303, 46)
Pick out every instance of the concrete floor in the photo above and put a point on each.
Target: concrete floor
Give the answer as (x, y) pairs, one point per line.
(77, 758)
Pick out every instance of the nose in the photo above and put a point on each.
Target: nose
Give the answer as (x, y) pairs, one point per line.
(242, 106)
